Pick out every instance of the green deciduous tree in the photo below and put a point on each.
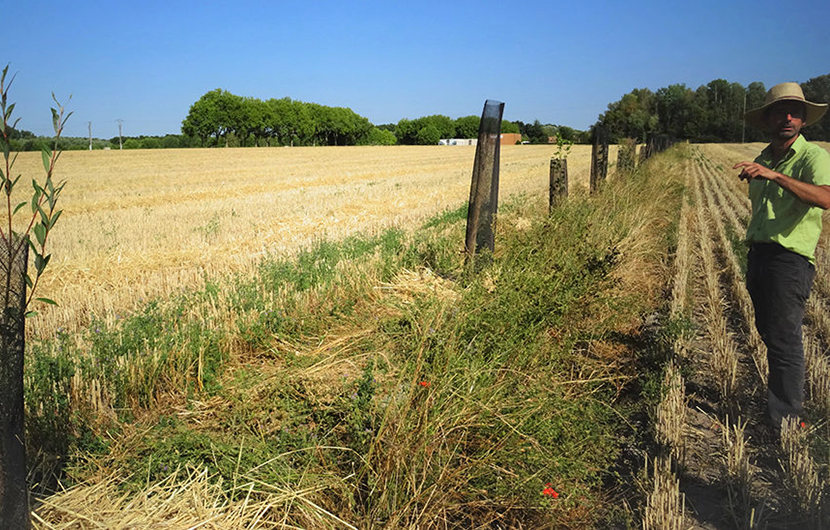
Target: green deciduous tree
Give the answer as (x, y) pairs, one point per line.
(216, 114)
(467, 126)
(428, 135)
(817, 90)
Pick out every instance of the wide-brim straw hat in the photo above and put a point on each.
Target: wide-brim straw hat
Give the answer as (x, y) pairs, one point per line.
(786, 92)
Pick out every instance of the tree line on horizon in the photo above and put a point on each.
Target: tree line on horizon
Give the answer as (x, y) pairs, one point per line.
(711, 113)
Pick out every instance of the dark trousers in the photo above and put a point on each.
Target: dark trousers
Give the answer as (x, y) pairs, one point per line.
(779, 282)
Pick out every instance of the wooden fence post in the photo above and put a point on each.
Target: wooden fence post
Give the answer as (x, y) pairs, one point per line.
(484, 189)
(14, 492)
(599, 160)
(558, 181)
(626, 155)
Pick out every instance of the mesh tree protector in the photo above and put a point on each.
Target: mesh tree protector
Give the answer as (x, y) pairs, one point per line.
(484, 190)
(14, 492)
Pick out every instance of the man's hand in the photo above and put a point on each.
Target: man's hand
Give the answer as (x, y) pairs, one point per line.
(752, 170)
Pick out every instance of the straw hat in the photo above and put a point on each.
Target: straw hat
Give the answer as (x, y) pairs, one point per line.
(786, 92)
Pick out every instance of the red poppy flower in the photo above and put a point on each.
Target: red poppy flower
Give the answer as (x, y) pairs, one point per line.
(803, 425)
(550, 492)
(424, 383)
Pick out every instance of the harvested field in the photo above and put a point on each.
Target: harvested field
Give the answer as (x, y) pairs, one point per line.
(732, 469)
(140, 224)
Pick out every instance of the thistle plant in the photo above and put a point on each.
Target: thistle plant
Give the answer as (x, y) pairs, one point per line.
(43, 202)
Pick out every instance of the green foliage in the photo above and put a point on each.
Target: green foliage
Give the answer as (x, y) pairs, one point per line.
(226, 118)
(43, 203)
(428, 135)
(378, 136)
(712, 113)
(563, 147)
(467, 127)
(509, 127)
(817, 90)
(426, 130)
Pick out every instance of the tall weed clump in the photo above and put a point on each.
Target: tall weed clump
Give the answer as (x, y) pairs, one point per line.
(523, 373)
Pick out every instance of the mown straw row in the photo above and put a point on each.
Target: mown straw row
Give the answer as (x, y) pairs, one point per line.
(671, 415)
(682, 269)
(738, 203)
(736, 463)
(666, 506)
(738, 286)
(724, 357)
(817, 368)
(800, 468)
(738, 474)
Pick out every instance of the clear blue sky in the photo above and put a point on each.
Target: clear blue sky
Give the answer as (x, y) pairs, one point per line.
(146, 62)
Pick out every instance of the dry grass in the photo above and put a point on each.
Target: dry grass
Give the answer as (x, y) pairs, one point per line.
(141, 224)
(185, 499)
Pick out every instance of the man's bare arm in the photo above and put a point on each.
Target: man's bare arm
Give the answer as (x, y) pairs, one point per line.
(810, 194)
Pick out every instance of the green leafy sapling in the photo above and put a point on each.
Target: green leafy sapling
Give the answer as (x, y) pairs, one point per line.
(563, 147)
(43, 203)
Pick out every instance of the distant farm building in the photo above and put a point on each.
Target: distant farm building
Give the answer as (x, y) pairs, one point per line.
(458, 141)
(511, 139)
(505, 139)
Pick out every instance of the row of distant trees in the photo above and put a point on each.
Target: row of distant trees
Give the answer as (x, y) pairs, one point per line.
(222, 118)
(219, 117)
(27, 141)
(712, 113)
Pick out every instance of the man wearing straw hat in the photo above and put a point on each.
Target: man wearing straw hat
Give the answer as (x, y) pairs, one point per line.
(789, 186)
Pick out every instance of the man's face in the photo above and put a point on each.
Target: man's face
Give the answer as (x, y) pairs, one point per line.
(785, 119)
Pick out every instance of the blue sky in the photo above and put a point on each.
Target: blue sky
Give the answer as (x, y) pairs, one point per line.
(560, 62)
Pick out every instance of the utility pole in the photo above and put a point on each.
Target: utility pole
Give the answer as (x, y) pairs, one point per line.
(743, 121)
(90, 135)
(120, 121)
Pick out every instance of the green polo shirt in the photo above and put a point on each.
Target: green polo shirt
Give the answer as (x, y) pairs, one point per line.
(778, 216)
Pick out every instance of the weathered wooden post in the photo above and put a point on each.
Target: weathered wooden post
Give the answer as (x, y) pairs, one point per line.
(599, 159)
(643, 153)
(558, 181)
(14, 492)
(626, 155)
(650, 147)
(484, 189)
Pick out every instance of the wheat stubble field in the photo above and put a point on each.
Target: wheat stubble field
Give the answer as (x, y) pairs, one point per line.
(732, 471)
(144, 223)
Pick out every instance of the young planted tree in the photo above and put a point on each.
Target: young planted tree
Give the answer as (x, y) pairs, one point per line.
(15, 244)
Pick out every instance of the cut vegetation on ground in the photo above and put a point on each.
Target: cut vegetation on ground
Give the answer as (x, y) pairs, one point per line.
(602, 372)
